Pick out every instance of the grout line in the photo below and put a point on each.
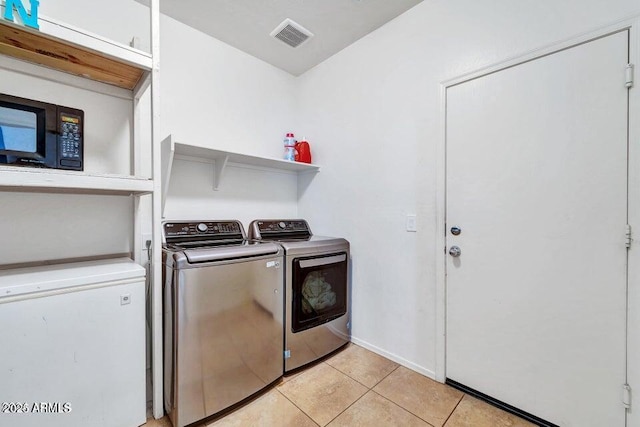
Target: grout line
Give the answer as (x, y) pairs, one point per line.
(355, 379)
(383, 378)
(340, 413)
(454, 410)
(299, 408)
(354, 402)
(405, 409)
(402, 407)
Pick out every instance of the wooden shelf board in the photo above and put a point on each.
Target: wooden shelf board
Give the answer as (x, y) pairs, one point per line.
(43, 49)
(57, 181)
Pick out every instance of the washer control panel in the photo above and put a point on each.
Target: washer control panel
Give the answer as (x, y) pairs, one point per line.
(198, 229)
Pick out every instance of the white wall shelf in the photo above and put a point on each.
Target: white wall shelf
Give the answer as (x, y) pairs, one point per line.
(220, 159)
(52, 180)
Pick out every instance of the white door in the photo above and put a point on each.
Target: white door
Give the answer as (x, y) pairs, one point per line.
(536, 181)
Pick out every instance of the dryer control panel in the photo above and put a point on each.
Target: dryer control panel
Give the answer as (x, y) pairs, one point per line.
(279, 229)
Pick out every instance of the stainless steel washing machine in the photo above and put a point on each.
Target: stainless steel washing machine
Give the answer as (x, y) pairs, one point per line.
(223, 318)
(317, 289)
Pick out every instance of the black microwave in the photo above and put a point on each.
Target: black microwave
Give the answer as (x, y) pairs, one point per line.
(38, 134)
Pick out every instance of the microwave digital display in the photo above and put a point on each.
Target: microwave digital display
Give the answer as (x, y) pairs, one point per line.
(39, 134)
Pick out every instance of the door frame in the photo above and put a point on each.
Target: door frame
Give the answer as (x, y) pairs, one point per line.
(633, 291)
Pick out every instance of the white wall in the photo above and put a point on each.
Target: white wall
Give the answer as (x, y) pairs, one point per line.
(243, 194)
(371, 114)
(216, 96)
(117, 20)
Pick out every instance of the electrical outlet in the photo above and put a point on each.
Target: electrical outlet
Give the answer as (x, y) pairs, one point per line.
(144, 238)
(411, 223)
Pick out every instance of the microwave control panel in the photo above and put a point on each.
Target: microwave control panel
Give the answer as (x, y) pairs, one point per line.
(70, 147)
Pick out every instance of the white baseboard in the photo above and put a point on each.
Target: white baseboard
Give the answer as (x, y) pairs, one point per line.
(404, 362)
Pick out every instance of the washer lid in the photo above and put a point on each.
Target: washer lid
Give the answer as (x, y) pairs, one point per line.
(314, 244)
(222, 253)
(20, 281)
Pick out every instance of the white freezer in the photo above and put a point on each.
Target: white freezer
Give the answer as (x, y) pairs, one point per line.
(72, 351)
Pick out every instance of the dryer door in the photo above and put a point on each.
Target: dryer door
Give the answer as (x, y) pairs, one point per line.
(319, 290)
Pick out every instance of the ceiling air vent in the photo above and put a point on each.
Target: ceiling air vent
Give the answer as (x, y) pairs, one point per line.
(291, 33)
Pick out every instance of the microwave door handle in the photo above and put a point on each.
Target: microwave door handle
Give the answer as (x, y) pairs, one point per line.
(323, 261)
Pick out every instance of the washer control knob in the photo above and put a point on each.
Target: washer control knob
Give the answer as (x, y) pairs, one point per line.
(282, 225)
(202, 227)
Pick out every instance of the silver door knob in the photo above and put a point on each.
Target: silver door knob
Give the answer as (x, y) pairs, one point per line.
(455, 251)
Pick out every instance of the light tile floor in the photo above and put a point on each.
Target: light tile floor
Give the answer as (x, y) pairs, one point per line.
(357, 388)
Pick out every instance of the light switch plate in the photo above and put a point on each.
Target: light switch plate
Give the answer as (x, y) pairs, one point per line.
(411, 223)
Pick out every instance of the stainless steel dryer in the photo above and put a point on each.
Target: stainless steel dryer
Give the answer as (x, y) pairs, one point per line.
(223, 317)
(317, 289)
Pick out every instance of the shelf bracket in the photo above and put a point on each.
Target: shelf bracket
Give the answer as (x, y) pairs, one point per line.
(218, 169)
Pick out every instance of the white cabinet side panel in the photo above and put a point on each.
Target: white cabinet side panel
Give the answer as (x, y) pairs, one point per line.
(81, 348)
